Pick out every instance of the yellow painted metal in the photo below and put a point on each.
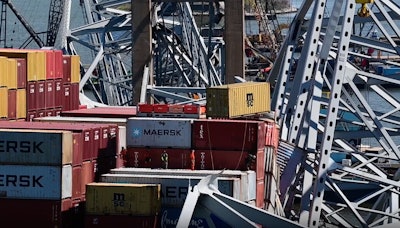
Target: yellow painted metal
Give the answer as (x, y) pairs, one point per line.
(11, 77)
(75, 68)
(239, 99)
(27, 54)
(21, 104)
(40, 64)
(364, 1)
(3, 102)
(123, 199)
(3, 71)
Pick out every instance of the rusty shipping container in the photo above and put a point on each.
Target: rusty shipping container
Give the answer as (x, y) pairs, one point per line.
(3, 102)
(141, 157)
(12, 104)
(123, 199)
(159, 132)
(239, 99)
(241, 135)
(35, 147)
(21, 104)
(36, 182)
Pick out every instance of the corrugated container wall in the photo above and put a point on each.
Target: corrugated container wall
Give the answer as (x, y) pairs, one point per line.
(35, 147)
(75, 69)
(12, 104)
(119, 199)
(3, 66)
(21, 104)
(240, 99)
(21, 73)
(159, 132)
(11, 77)
(36, 182)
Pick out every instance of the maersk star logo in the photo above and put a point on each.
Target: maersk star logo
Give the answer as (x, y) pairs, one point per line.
(136, 132)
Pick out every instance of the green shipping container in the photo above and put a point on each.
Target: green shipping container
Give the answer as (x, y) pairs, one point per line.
(123, 199)
(239, 99)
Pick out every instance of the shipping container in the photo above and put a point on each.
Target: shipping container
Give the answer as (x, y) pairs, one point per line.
(174, 182)
(12, 104)
(239, 99)
(75, 69)
(41, 65)
(50, 95)
(11, 76)
(66, 98)
(215, 134)
(107, 221)
(31, 96)
(58, 93)
(76, 182)
(77, 145)
(260, 193)
(169, 218)
(141, 157)
(21, 104)
(38, 213)
(30, 59)
(50, 63)
(3, 102)
(35, 147)
(260, 164)
(74, 96)
(40, 94)
(21, 73)
(36, 182)
(58, 64)
(159, 132)
(88, 175)
(106, 112)
(123, 199)
(222, 159)
(66, 69)
(31, 115)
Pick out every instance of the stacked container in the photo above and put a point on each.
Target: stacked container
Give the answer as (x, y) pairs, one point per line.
(35, 82)
(122, 205)
(36, 177)
(158, 143)
(175, 185)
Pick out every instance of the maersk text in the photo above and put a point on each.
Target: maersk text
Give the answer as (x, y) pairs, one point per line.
(20, 146)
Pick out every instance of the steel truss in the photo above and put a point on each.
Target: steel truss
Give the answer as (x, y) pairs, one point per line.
(184, 62)
(321, 102)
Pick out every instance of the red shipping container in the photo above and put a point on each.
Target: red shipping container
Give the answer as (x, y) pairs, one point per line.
(50, 95)
(152, 158)
(21, 73)
(31, 96)
(66, 68)
(66, 105)
(12, 104)
(50, 67)
(40, 95)
(161, 108)
(96, 144)
(260, 194)
(260, 164)
(58, 64)
(145, 108)
(35, 213)
(106, 221)
(220, 159)
(77, 149)
(74, 96)
(49, 112)
(191, 109)
(88, 171)
(76, 182)
(215, 134)
(58, 93)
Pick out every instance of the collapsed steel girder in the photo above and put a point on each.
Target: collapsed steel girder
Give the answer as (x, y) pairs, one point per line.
(181, 56)
(317, 59)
